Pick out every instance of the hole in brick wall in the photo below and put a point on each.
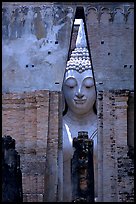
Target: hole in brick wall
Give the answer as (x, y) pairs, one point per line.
(102, 42)
(32, 65)
(26, 65)
(56, 82)
(56, 42)
(125, 65)
(49, 52)
(108, 53)
(130, 66)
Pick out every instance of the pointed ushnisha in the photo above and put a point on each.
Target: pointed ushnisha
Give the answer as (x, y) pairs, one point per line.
(81, 37)
(79, 59)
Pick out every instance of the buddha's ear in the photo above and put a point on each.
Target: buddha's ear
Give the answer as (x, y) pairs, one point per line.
(95, 106)
(64, 105)
(63, 102)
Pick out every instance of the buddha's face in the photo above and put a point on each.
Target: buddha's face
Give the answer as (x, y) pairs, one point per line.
(79, 91)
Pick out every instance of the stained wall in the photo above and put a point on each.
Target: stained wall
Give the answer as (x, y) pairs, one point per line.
(35, 44)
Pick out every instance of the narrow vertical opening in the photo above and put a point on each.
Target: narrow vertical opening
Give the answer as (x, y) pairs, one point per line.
(78, 16)
(85, 26)
(75, 94)
(130, 121)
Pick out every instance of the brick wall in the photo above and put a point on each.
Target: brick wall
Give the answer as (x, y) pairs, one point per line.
(31, 119)
(34, 121)
(115, 167)
(52, 170)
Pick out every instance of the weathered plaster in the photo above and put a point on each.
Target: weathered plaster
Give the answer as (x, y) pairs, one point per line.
(111, 39)
(35, 44)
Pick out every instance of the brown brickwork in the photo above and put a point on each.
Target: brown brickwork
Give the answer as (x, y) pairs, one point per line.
(31, 119)
(115, 168)
(51, 171)
(34, 120)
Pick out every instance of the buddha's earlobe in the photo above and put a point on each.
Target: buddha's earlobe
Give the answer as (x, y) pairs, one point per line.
(64, 105)
(95, 107)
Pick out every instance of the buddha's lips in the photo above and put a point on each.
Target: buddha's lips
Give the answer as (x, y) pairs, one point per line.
(80, 101)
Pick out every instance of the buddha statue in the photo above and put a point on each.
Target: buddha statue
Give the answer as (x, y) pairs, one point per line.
(79, 115)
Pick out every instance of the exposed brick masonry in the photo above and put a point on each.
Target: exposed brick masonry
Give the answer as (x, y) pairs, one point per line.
(115, 167)
(26, 117)
(34, 121)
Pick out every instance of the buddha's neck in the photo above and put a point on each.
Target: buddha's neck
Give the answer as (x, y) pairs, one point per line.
(80, 118)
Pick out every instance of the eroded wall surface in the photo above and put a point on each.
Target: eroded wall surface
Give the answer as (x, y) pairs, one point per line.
(111, 38)
(35, 44)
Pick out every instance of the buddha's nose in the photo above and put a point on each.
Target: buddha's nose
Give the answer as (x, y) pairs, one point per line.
(79, 94)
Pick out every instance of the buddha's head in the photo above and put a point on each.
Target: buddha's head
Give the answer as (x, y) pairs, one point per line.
(78, 86)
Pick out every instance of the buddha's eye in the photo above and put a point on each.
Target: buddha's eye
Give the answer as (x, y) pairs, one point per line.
(88, 82)
(71, 83)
